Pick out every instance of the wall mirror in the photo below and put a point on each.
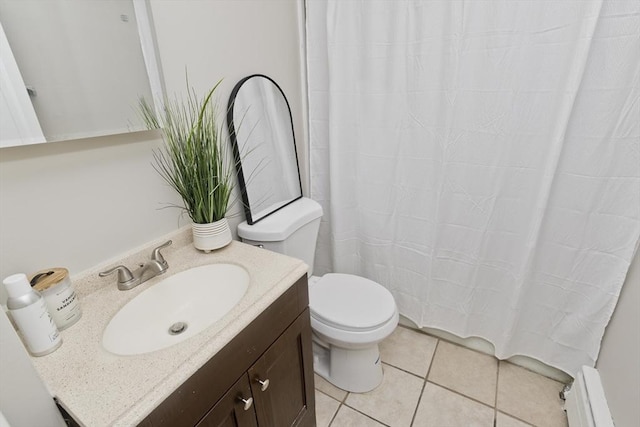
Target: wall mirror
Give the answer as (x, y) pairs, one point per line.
(261, 131)
(71, 69)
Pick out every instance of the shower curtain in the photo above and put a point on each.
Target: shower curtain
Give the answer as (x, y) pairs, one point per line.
(481, 160)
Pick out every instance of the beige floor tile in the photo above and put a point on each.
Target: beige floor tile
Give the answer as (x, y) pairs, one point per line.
(347, 417)
(441, 407)
(393, 402)
(409, 350)
(504, 420)
(465, 371)
(326, 408)
(530, 397)
(329, 389)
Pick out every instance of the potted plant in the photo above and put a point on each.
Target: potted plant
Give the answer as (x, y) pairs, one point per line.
(195, 163)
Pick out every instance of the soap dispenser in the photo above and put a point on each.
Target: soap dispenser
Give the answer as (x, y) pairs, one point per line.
(29, 312)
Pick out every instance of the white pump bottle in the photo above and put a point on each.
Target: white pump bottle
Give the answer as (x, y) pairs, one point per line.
(29, 312)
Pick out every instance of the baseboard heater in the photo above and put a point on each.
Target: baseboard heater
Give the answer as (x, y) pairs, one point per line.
(586, 404)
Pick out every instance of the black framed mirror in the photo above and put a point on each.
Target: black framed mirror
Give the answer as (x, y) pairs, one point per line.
(264, 146)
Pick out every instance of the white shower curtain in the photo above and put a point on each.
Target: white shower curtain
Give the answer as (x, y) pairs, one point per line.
(481, 160)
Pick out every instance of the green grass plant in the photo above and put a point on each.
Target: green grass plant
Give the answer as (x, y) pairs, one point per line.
(194, 159)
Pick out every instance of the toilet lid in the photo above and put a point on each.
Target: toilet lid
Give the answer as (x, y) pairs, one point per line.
(350, 302)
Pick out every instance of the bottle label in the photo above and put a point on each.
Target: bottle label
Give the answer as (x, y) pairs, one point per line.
(63, 305)
(37, 327)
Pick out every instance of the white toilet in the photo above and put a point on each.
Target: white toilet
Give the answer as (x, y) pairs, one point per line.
(350, 315)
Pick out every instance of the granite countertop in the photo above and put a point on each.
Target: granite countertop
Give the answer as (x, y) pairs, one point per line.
(102, 389)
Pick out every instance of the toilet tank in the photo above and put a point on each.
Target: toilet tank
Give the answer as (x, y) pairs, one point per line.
(292, 230)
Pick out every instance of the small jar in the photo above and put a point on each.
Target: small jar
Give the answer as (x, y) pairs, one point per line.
(62, 302)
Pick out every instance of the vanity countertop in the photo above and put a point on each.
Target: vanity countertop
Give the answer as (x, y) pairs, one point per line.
(99, 388)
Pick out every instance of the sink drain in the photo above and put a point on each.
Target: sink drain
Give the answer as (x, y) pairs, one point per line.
(177, 328)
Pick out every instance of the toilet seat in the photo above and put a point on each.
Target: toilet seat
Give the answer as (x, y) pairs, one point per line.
(351, 303)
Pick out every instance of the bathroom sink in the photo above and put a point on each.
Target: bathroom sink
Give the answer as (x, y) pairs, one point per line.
(175, 309)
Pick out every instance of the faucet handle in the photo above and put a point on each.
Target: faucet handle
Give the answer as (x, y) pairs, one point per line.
(124, 274)
(157, 256)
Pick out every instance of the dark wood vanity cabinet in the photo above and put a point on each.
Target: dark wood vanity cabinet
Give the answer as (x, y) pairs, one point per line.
(275, 383)
(263, 377)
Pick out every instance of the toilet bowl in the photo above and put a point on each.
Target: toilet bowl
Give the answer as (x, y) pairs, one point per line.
(350, 315)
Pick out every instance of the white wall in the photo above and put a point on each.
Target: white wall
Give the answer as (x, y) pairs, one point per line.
(75, 204)
(229, 40)
(81, 202)
(619, 359)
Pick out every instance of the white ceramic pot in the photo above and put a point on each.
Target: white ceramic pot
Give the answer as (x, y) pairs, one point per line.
(208, 237)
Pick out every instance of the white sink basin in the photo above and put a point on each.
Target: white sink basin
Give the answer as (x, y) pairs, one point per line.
(175, 309)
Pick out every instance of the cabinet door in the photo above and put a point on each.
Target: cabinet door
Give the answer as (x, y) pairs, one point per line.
(230, 411)
(288, 399)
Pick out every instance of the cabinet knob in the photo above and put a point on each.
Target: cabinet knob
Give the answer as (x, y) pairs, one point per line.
(247, 402)
(264, 385)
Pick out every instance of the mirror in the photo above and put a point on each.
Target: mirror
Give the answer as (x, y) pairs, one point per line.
(71, 69)
(261, 131)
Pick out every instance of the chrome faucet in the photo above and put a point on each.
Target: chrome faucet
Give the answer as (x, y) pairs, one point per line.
(128, 280)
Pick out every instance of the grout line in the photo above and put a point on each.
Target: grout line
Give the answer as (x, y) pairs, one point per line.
(328, 395)
(340, 403)
(516, 418)
(424, 385)
(461, 394)
(433, 356)
(335, 414)
(332, 398)
(413, 374)
(337, 388)
(415, 411)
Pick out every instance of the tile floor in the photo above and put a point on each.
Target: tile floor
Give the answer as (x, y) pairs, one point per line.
(431, 382)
